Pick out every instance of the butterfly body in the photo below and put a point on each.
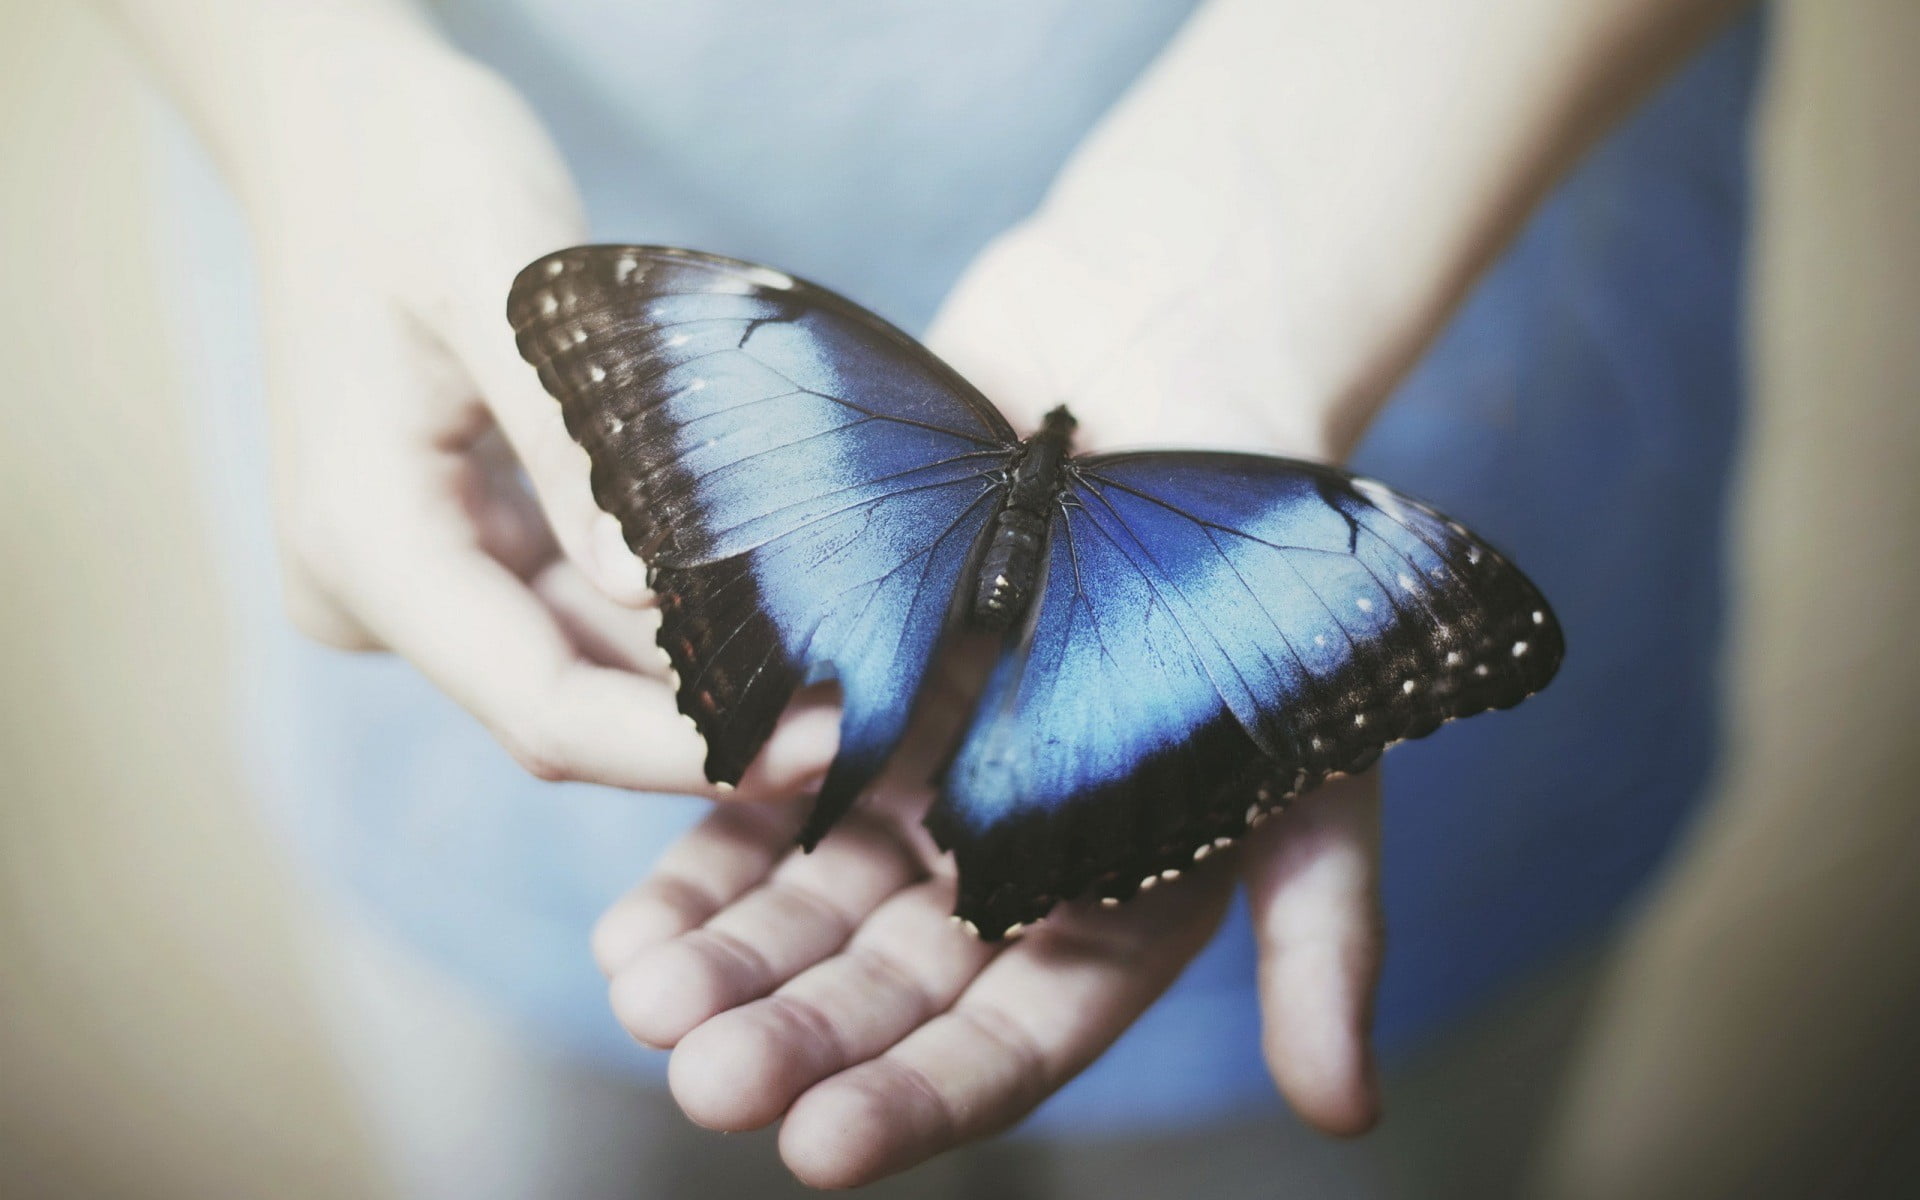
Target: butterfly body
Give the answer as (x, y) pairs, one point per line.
(1010, 567)
(1189, 638)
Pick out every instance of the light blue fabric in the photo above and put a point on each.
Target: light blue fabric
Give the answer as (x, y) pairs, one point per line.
(1581, 413)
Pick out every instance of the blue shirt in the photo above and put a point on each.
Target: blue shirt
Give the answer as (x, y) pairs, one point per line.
(1580, 412)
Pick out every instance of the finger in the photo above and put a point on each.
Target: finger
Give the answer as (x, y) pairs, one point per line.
(484, 638)
(733, 848)
(1036, 1016)
(314, 613)
(502, 506)
(805, 910)
(803, 743)
(906, 965)
(1312, 878)
(500, 511)
(603, 631)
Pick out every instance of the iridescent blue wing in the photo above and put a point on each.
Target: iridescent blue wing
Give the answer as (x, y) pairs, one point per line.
(1217, 633)
(805, 482)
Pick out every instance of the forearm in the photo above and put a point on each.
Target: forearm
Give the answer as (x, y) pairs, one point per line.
(1352, 167)
(274, 87)
(352, 129)
(228, 62)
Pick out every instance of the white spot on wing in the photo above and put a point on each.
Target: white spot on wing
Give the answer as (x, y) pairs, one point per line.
(767, 277)
(1378, 495)
(1363, 604)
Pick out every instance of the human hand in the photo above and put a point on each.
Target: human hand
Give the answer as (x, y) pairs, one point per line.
(831, 989)
(430, 501)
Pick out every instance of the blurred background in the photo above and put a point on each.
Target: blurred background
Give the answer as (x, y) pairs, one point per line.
(1755, 1032)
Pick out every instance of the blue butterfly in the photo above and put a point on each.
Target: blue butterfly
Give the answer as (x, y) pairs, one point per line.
(1190, 639)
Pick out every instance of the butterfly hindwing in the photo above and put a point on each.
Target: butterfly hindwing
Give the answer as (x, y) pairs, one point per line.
(804, 481)
(1216, 633)
(1101, 751)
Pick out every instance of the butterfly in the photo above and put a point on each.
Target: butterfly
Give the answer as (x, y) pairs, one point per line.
(1189, 639)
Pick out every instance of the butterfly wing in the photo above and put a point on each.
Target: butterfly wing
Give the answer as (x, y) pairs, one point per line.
(805, 482)
(1217, 633)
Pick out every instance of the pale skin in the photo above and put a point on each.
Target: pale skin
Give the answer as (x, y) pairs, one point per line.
(1248, 252)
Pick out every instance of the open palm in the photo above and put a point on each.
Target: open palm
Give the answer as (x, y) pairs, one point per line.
(833, 989)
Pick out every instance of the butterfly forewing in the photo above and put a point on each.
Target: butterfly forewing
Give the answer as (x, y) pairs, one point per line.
(804, 482)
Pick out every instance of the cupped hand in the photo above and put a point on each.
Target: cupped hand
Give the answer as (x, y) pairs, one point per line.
(833, 990)
(430, 501)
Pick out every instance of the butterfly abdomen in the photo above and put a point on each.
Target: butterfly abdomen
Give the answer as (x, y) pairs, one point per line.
(1008, 569)
(1004, 582)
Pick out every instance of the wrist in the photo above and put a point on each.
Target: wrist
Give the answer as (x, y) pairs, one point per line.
(1227, 345)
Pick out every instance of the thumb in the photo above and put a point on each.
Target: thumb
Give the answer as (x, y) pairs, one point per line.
(1312, 877)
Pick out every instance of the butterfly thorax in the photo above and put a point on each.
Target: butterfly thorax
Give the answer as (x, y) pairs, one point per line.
(1010, 566)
